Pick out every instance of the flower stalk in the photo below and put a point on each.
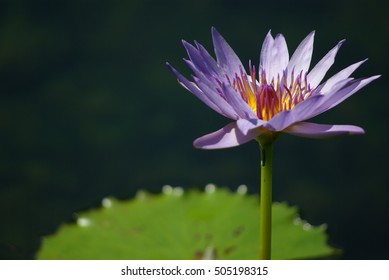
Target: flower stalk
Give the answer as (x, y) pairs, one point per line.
(265, 215)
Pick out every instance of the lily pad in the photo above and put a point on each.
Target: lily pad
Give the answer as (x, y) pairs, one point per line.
(214, 224)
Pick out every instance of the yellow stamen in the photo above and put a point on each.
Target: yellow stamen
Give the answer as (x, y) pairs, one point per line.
(268, 99)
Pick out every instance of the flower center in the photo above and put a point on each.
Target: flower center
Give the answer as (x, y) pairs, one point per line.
(268, 98)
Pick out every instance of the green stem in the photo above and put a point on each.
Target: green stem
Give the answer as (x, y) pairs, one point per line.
(265, 217)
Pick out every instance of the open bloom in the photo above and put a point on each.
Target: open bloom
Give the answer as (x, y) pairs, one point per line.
(277, 97)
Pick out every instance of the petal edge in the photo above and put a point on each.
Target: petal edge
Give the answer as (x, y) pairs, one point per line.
(226, 137)
(314, 130)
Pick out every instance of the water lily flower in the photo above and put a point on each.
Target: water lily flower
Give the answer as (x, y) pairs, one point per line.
(277, 96)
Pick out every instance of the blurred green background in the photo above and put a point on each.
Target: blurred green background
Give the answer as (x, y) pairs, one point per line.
(88, 109)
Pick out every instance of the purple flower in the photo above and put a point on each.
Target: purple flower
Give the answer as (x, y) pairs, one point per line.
(277, 97)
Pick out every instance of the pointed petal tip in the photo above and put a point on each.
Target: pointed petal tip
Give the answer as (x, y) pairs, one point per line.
(188, 62)
(198, 144)
(279, 35)
(359, 63)
(311, 35)
(216, 36)
(169, 66)
(214, 31)
(370, 79)
(341, 42)
(357, 131)
(188, 47)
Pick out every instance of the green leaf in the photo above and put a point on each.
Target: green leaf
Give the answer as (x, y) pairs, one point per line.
(215, 224)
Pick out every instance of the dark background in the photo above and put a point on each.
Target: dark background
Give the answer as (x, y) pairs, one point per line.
(88, 109)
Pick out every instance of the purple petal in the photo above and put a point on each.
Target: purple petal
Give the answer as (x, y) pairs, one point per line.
(344, 74)
(281, 59)
(313, 130)
(237, 103)
(196, 58)
(247, 126)
(225, 55)
(274, 56)
(228, 136)
(226, 109)
(300, 112)
(331, 99)
(266, 56)
(210, 61)
(301, 58)
(203, 76)
(318, 72)
(211, 99)
(315, 105)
